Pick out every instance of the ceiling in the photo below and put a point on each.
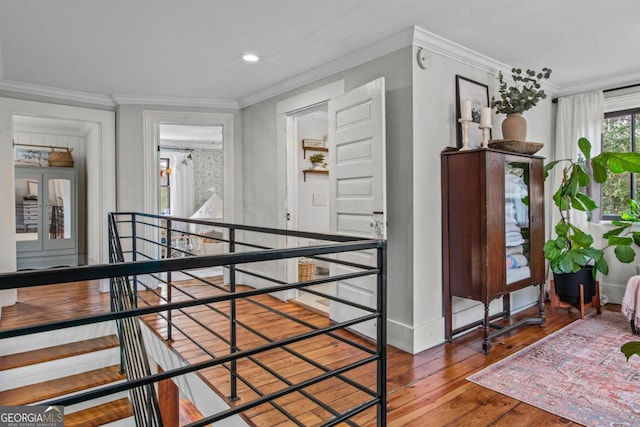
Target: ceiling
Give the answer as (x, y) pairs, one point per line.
(121, 50)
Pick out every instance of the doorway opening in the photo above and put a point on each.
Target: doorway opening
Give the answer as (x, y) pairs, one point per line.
(51, 232)
(191, 183)
(309, 193)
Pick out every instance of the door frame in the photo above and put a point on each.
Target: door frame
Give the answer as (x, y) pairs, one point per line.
(286, 158)
(153, 119)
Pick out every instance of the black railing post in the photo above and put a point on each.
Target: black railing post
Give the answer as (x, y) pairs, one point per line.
(382, 335)
(169, 256)
(134, 253)
(232, 319)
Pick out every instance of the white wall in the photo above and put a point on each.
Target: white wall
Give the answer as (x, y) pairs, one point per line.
(311, 216)
(434, 129)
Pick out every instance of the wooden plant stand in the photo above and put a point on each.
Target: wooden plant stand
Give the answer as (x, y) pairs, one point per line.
(595, 301)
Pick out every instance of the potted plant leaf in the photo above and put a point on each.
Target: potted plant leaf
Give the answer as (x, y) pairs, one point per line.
(317, 160)
(571, 253)
(514, 100)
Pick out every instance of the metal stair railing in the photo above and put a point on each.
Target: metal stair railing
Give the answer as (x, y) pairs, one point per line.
(136, 275)
(134, 361)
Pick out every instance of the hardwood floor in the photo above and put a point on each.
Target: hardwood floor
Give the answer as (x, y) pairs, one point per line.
(426, 389)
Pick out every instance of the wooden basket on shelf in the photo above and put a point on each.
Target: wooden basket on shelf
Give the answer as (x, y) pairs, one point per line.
(305, 270)
(61, 159)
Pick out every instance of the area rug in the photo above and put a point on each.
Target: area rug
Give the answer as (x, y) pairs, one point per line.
(578, 373)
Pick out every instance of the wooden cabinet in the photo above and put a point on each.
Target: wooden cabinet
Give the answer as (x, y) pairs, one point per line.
(492, 233)
(46, 217)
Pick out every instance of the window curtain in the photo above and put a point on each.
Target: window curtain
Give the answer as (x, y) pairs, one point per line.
(577, 116)
(181, 183)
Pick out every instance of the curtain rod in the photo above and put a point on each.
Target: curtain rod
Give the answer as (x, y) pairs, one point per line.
(43, 146)
(555, 100)
(169, 148)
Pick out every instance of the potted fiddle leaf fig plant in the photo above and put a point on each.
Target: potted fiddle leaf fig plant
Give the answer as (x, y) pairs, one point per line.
(525, 92)
(571, 253)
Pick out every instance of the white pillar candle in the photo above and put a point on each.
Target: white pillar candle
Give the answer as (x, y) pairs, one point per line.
(485, 116)
(466, 109)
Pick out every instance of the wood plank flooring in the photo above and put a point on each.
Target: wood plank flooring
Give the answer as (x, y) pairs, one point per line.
(427, 389)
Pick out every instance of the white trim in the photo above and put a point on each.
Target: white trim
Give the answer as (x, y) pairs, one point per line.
(1, 66)
(368, 53)
(175, 101)
(70, 95)
(600, 83)
(103, 152)
(285, 160)
(621, 102)
(457, 52)
(152, 119)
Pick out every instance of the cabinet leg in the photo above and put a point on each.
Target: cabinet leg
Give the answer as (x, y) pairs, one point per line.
(448, 318)
(541, 303)
(486, 345)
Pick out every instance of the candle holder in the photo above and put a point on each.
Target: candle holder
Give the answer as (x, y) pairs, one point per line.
(485, 136)
(465, 133)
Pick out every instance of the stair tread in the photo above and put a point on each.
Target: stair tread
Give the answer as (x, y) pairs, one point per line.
(101, 414)
(57, 352)
(61, 386)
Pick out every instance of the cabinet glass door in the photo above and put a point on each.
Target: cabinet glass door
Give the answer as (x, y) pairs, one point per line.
(516, 191)
(27, 199)
(59, 210)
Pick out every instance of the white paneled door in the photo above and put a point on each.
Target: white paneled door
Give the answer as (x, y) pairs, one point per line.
(357, 190)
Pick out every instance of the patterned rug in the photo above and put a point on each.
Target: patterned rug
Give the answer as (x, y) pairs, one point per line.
(578, 373)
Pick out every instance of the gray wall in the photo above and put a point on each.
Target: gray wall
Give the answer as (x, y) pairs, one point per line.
(130, 156)
(261, 192)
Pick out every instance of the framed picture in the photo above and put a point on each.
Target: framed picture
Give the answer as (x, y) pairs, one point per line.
(478, 94)
(31, 157)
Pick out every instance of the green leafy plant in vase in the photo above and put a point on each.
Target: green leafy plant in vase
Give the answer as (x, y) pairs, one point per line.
(524, 94)
(572, 250)
(317, 160)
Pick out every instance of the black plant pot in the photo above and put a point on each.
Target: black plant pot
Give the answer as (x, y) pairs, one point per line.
(567, 285)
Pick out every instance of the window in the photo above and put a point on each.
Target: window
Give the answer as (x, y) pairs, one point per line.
(620, 132)
(165, 195)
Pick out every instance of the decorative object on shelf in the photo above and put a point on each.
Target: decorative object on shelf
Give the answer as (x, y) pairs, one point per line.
(61, 159)
(318, 161)
(306, 268)
(572, 249)
(313, 143)
(516, 146)
(465, 133)
(514, 100)
(485, 126)
(471, 98)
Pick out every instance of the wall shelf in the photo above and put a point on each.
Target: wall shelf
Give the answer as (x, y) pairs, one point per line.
(305, 149)
(315, 171)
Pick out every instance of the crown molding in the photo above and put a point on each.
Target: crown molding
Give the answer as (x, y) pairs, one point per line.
(447, 48)
(457, 52)
(375, 50)
(52, 92)
(604, 83)
(175, 101)
(1, 67)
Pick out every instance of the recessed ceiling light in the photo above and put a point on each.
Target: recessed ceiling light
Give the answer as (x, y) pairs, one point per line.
(250, 57)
